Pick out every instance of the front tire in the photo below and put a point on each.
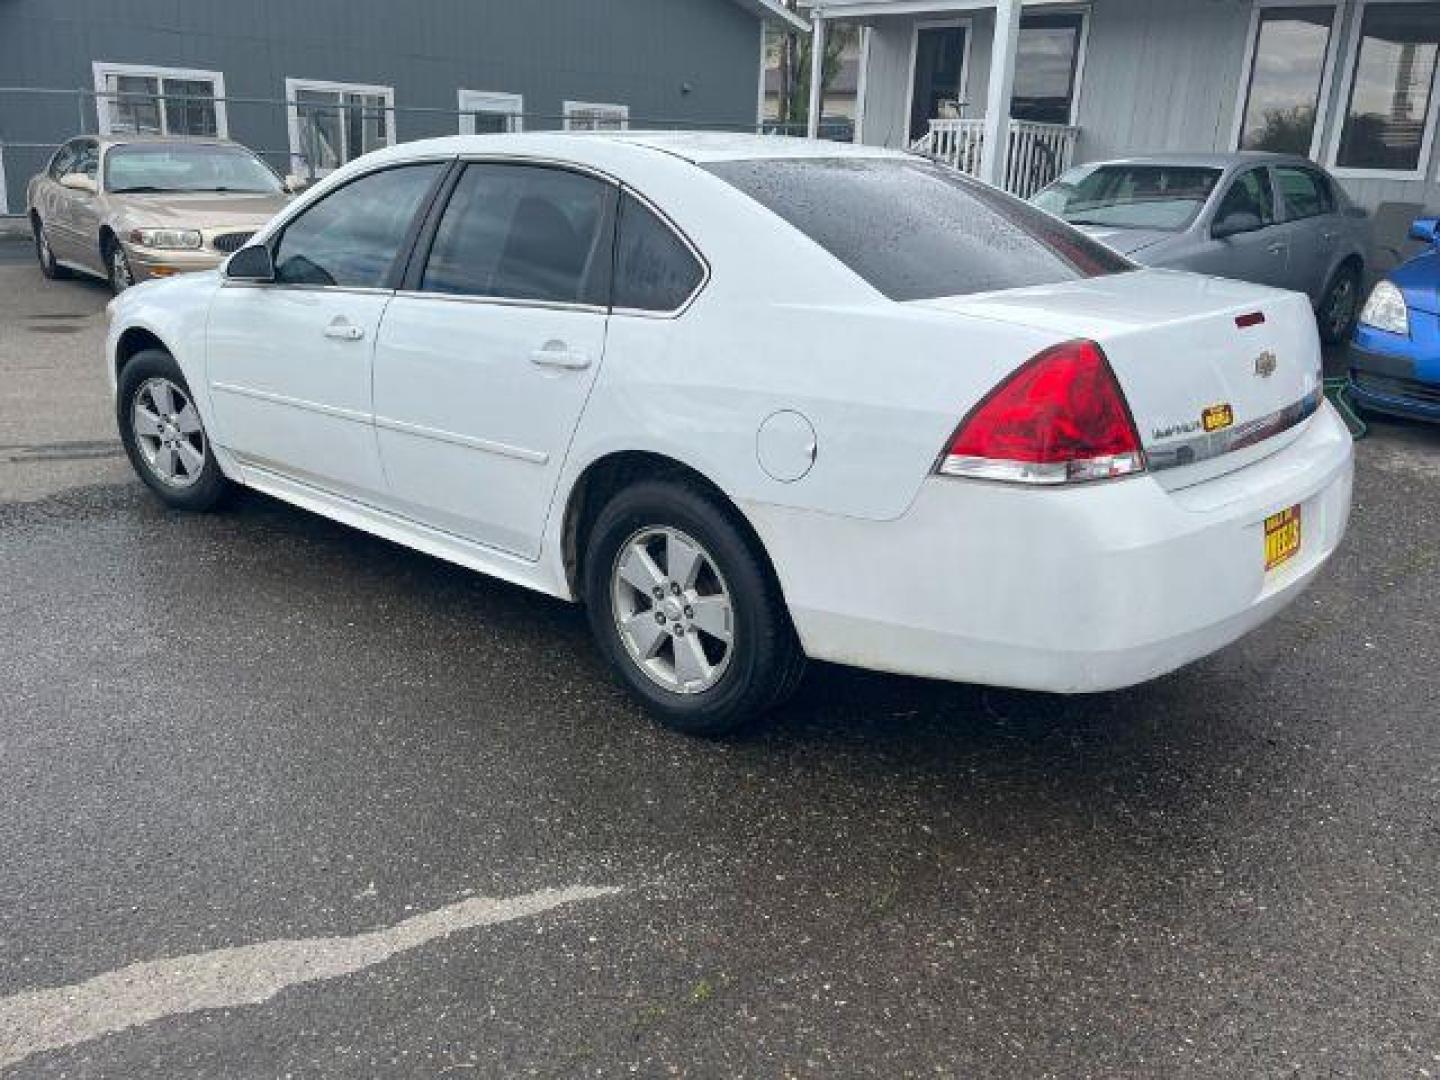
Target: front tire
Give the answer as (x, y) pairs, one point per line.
(117, 267)
(44, 255)
(164, 435)
(1340, 306)
(685, 609)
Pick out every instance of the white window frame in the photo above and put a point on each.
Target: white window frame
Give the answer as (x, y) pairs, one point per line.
(571, 110)
(1327, 74)
(1427, 138)
(469, 102)
(292, 114)
(103, 69)
(937, 24)
(4, 191)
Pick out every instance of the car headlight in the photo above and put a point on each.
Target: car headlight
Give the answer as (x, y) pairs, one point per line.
(1386, 310)
(181, 239)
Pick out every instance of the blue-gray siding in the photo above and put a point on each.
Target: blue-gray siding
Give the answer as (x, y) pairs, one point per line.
(688, 61)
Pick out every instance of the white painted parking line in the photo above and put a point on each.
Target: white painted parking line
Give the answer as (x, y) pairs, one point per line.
(40, 1020)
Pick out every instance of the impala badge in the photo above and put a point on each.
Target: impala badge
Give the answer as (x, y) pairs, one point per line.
(1265, 364)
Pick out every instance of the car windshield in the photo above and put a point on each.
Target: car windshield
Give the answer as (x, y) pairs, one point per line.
(166, 167)
(1166, 197)
(915, 230)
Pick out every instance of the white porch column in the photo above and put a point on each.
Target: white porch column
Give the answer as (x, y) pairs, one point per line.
(817, 75)
(995, 150)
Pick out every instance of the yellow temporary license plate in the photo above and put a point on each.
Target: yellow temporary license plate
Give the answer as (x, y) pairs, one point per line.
(1282, 537)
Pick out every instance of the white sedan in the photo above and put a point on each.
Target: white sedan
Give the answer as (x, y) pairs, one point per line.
(754, 400)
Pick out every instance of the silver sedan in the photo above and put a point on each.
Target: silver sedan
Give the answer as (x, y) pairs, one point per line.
(1273, 219)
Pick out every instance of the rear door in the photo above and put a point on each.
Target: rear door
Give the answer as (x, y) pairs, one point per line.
(1261, 254)
(485, 360)
(1313, 227)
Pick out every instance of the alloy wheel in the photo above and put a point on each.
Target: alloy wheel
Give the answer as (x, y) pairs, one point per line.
(120, 276)
(168, 432)
(1341, 308)
(673, 610)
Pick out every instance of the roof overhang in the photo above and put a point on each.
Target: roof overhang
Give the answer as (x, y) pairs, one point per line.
(774, 11)
(870, 9)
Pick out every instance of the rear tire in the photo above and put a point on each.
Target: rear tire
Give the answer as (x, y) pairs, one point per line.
(1340, 306)
(164, 435)
(686, 611)
(43, 253)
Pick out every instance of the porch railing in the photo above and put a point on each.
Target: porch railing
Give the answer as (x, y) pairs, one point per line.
(1037, 153)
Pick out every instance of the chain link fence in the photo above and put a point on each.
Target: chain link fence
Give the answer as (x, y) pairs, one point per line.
(303, 136)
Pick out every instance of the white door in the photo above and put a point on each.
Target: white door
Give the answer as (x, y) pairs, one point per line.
(482, 369)
(289, 363)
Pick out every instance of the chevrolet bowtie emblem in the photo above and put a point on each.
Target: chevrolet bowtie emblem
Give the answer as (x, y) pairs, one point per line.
(1265, 364)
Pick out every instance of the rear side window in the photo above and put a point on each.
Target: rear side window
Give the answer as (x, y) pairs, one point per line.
(353, 235)
(1307, 193)
(915, 230)
(523, 232)
(654, 269)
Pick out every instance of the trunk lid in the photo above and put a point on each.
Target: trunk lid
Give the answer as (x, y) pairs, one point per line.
(1208, 395)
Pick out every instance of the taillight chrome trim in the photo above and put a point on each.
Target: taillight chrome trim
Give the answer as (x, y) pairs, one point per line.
(1200, 448)
(1076, 471)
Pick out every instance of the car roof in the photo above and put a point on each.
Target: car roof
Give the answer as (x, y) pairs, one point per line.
(1212, 160)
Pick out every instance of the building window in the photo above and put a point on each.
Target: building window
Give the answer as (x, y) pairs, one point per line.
(1289, 53)
(1047, 64)
(332, 123)
(485, 113)
(595, 116)
(1390, 101)
(134, 99)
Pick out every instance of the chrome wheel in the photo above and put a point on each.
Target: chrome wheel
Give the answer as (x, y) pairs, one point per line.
(42, 250)
(673, 610)
(120, 276)
(168, 432)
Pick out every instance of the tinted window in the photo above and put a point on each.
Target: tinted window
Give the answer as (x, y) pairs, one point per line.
(353, 235)
(1390, 92)
(1251, 194)
(64, 160)
(1306, 193)
(654, 269)
(915, 230)
(523, 232)
(1167, 197)
(1286, 72)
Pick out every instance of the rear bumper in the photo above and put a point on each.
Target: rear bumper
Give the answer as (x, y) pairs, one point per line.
(1076, 590)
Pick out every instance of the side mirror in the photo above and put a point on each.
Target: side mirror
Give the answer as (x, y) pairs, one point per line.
(1426, 230)
(251, 263)
(1234, 224)
(79, 182)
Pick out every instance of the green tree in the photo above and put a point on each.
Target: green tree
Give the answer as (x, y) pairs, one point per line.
(790, 53)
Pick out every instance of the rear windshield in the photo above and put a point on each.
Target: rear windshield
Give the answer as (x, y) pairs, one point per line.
(915, 230)
(1165, 197)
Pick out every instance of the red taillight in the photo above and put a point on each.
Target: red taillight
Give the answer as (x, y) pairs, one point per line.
(1061, 418)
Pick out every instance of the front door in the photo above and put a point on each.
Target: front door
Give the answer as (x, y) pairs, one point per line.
(289, 363)
(1261, 253)
(485, 360)
(939, 78)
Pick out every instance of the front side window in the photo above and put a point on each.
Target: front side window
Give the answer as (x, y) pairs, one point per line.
(1392, 87)
(158, 101)
(654, 269)
(1046, 59)
(87, 160)
(162, 167)
(353, 236)
(915, 230)
(1165, 197)
(1306, 192)
(334, 123)
(523, 232)
(64, 161)
(1250, 195)
(1287, 70)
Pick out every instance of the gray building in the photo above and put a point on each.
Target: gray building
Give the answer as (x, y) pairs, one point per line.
(314, 83)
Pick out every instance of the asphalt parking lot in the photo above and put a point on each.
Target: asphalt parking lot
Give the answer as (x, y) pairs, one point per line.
(280, 799)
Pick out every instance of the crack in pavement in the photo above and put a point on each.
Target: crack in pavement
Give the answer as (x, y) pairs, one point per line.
(36, 1021)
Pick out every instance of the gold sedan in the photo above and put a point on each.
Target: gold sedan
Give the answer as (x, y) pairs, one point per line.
(132, 208)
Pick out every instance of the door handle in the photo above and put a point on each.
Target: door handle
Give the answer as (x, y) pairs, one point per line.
(558, 354)
(343, 329)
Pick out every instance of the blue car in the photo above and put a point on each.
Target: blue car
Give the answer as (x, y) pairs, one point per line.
(1395, 354)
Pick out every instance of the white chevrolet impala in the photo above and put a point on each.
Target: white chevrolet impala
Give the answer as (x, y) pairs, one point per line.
(754, 400)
